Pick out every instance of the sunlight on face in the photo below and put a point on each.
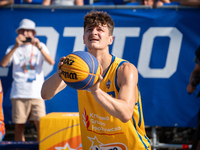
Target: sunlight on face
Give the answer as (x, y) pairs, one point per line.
(97, 37)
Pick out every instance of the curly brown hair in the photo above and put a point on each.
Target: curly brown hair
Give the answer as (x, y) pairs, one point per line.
(96, 18)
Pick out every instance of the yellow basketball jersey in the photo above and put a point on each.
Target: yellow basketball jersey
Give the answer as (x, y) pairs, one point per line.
(102, 131)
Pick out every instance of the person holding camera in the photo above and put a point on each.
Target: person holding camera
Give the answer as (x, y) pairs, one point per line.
(27, 56)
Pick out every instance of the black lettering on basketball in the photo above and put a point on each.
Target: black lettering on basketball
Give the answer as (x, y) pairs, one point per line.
(68, 61)
(71, 75)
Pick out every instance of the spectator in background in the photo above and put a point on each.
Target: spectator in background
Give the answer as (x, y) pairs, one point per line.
(27, 56)
(190, 2)
(161, 2)
(63, 2)
(142, 2)
(147, 2)
(166, 2)
(2, 125)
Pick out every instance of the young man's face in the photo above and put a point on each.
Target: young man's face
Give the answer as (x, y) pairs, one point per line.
(97, 37)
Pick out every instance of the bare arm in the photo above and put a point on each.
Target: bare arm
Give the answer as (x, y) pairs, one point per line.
(190, 2)
(123, 106)
(46, 2)
(79, 2)
(53, 84)
(159, 3)
(47, 57)
(6, 2)
(195, 72)
(5, 60)
(18, 41)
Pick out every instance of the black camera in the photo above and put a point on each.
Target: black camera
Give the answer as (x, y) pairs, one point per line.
(28, 39)
(195, 81)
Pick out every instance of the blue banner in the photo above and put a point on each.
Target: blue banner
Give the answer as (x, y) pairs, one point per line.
(161, 43)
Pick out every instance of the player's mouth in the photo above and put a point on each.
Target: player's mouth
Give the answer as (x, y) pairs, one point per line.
(94, 39)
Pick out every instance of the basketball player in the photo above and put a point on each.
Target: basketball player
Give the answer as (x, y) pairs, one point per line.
(110, 111)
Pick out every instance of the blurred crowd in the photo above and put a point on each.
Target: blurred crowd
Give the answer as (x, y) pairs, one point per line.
(153, 3)
(156, 3)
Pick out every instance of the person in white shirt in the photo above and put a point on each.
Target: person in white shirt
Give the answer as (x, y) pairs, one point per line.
(27, 56)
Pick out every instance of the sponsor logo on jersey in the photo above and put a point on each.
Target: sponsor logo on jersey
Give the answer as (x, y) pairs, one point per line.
(108, 83)
(97, 145)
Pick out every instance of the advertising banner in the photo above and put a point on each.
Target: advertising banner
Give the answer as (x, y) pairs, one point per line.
(161, 43)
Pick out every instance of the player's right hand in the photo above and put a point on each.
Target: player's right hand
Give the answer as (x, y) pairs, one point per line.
(60, 64)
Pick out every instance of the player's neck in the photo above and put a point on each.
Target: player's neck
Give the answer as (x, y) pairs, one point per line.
(98, 53)
(103, 56)
(105, 61)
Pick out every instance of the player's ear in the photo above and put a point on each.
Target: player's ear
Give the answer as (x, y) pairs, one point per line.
(110, 40)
